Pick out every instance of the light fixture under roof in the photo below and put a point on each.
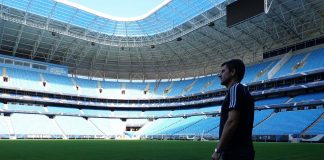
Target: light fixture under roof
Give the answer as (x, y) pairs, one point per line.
(211, 24)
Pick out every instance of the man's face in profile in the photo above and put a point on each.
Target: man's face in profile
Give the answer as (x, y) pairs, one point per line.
(225, 75)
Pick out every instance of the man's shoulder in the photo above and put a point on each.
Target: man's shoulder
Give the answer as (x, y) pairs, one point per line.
(240, 90)
(244, 91)
(237, 87)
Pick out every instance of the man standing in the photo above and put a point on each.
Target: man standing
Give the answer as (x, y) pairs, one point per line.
(237, 115)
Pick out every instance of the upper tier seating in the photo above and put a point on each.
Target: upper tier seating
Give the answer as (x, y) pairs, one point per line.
(162, 88)
(183, 112)
(111, 89)
(210, 109)
(23, 79)
(179, 87)
(93, 112)
(18, 107)
(2, 106)
(157, 113)
(253, 73)
(127, 113)
(151, 91)
(289, 67)
(214, 84)
(264, 74)
(31, 80)
(87, 87)
(59, 110)
(137, 88)
(314, 61)
(308, 97)
(59, 84)
(199, 85)
(271, 101)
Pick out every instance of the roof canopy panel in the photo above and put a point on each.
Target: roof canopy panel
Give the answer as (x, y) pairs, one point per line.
(169, 15)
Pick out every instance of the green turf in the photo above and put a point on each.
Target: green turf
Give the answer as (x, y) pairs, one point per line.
(144, 150)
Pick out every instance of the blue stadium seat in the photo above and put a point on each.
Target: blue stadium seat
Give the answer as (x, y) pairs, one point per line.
(87, 87)
(183, 112)
(179, 87)
(288, 67)
(111, 89)
(289, 122)
(259, 116)
(199, 85)
(253, 72)
(271, 101)
(24, 79)
(215, 84)
(162, 87)
(176, 128)
(157, 126)
(127, 113)
(110, 127)
(318, 128)
(135, 89)
(157, 113)
(100, 113)
(308, 97)
(37, 125)
(210, 109)
(2, 106)
(59, 84)
(64, 110)
(4, 131)
(17, 107)
(201, 127)
(76, 126)
(313, 62)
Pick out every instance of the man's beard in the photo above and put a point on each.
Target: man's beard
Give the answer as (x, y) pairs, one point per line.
(225, 82)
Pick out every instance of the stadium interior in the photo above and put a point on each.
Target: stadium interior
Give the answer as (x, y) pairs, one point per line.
(69, 74)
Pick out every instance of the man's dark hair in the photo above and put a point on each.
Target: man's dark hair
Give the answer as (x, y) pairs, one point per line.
(238, 66)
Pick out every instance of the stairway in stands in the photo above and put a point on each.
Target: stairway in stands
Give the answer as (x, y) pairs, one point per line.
(313, 124)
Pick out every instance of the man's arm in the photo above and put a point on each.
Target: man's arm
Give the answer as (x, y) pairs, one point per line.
(228, 131)
(229, 128)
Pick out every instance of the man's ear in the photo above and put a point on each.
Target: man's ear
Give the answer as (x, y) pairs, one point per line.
(233, 72)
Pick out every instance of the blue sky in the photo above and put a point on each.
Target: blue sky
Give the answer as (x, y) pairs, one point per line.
(120, 8)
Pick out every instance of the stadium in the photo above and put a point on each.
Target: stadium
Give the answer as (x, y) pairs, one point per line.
(77, 84)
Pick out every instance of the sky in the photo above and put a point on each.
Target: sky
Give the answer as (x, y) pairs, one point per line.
(120, 8)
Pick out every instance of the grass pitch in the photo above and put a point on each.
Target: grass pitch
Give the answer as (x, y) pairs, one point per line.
(144, 150)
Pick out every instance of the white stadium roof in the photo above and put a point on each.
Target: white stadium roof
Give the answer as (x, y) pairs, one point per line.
(181, 38)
